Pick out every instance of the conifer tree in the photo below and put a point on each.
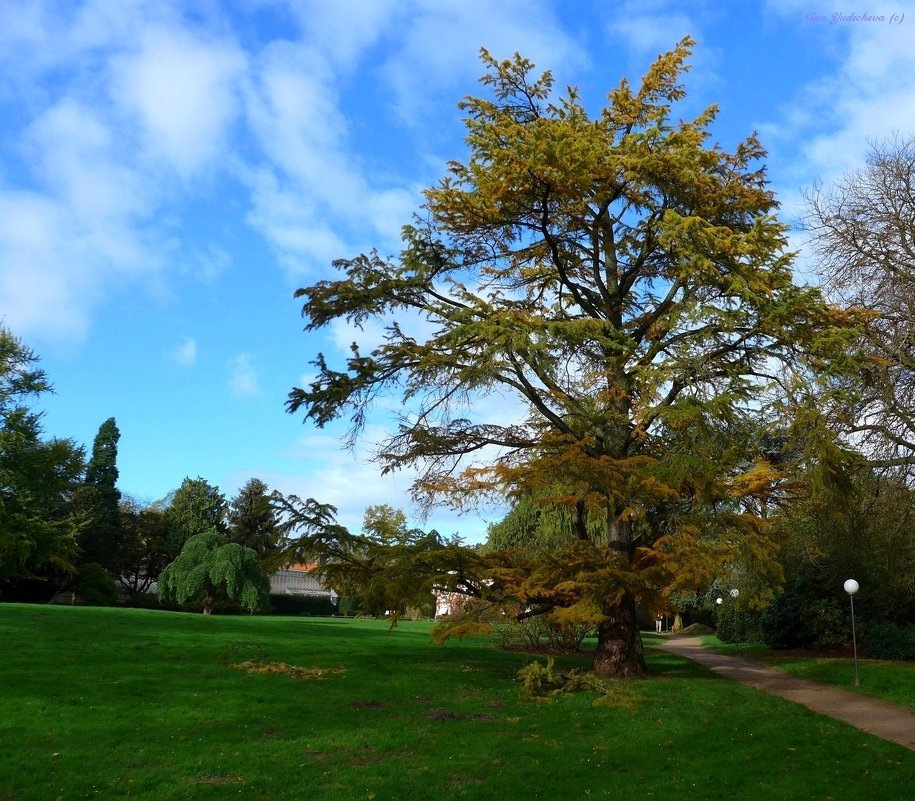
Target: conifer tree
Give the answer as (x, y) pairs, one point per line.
(253, 520)
(38, 530)
(195, 507)
(623, 283)
(99, 499)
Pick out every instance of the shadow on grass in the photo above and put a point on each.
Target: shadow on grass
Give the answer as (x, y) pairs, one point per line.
(668, 665)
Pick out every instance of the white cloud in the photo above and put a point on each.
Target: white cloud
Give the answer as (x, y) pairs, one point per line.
(75, 154)
(185, 353)
(312, 197)
(873, 86)
(649, 27)
(866, 93)
(869, 95)
(291, 223)
(244, 379)
(441, 40)
(344, 29)
(70, 241)
(182, 88)
(35, 232)
(84, 208)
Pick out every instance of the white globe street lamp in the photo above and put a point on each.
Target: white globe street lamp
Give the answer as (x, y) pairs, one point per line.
(851, 587)
(734, 593)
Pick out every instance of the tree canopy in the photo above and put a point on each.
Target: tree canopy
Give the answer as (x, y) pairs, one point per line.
(252, 518)
(863, 236)
(209, 569)
(38, 529)
(626, 283)
(196, 506)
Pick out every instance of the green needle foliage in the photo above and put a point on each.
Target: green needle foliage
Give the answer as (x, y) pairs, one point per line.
(102, 540)
(625, 285)
(38, 529)
(209, 569)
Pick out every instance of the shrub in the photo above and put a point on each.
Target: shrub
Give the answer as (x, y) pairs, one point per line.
(94, 587)
(885, 640)
(800, 619)
(301, 605)
(544, 683)
(697, 629)
(740, 627)
(348, 606)
(828, 624)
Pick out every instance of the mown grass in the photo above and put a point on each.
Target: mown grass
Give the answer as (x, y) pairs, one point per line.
(890, 681)
(133, 704)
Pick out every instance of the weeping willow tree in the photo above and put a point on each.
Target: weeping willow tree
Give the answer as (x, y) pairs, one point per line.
(621, 281)
(209, 569)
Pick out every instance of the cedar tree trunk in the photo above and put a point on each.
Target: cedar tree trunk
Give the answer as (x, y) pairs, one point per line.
(619, 645)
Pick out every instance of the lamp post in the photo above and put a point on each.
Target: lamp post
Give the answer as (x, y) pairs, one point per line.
(851, 587)
(734, 593)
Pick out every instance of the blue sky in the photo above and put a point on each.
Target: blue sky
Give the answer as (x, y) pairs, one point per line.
(170, 173)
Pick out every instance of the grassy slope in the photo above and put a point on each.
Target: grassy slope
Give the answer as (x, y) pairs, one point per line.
(131, 704)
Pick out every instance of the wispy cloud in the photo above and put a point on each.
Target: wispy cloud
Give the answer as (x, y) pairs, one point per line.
(869, 94)
(186, 353)
(244, 381)
(182, 91)
(648, 27)
(351, 482)
(419, 70)
(135, 100)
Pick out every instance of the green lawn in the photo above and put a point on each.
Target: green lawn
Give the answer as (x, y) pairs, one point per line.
(891, 681)
(132, 704)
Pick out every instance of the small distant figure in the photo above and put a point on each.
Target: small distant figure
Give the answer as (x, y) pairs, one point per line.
(657, 624)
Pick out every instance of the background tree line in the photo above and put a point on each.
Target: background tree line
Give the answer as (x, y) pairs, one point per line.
(64, 524)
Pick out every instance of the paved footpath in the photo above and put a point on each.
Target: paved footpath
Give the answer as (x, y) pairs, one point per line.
(880, 718)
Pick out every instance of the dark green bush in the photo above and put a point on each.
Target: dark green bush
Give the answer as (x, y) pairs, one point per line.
(149, 600)
(885, 640)
(94, 587)
(799, 618)
(301, 605)
(348, 606)
(740, 627)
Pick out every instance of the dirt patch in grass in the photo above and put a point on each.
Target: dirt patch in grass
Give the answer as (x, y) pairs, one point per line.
(255, 666)
(364, 757)
(216, 780)
(369, 703)
(447, 714)
(457, 781)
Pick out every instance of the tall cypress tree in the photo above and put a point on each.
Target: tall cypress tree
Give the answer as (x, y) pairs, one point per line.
(99, 499)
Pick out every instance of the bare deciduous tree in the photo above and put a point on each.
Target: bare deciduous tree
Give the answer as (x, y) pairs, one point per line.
(863, 234)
